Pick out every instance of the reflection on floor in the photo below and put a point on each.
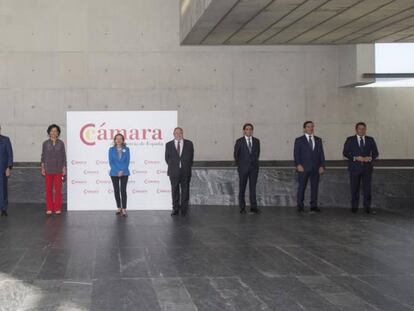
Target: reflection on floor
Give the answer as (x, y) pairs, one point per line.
(214, 259)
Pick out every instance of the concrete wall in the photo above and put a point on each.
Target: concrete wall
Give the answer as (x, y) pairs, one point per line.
(58, 55)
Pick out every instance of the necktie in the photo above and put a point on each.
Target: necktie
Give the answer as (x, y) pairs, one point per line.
(249, 143)
(361, 143)
(178, 148)
(310, 142)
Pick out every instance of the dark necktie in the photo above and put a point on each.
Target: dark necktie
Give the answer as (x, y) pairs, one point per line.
(249, 144)
(361, 143)
(178, 148)
(310, 142)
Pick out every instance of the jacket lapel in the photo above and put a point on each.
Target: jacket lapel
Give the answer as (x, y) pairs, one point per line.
(183, 146)
(355, 142)
(244, 143)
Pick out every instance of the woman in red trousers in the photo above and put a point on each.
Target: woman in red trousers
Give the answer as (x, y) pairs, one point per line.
(53, 169)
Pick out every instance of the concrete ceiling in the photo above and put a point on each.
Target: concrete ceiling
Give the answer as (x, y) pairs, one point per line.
(274, 22)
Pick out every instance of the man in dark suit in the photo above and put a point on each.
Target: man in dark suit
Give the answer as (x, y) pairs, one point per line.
(179, 155)
(310, 164)
(6, 164)
(246, 155)
(361, 151)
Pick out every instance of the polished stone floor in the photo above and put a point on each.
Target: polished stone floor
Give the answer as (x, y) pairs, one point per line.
(214, 259)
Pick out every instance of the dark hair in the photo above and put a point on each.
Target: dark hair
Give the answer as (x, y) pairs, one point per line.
(123, 139)
(246, 125)
(52, 126)
(306, 123)
(360, 123)
(178, 128)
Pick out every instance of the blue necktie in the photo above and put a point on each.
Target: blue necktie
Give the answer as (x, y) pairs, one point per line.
(310, 143)
(361, 143)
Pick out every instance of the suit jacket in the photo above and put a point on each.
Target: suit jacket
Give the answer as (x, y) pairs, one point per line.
(173, 159)
(244, 159)
(305, 156)
(6, 153)
(352, 149)
(119, 164)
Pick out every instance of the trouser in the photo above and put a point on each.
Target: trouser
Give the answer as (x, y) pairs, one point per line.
(53, 198)
(364, 176)
(249, 176)
(120, 190)
(180, 191)
(4, 199)
(303, 178)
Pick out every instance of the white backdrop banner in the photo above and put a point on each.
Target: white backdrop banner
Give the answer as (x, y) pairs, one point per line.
(89, 137)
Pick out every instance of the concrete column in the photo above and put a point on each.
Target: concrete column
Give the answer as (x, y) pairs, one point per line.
(354, 61)
(199, 17)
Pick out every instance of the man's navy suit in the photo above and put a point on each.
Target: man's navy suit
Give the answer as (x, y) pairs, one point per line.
(311, 159)
(6, 161)
(360, 171)
(247, 162)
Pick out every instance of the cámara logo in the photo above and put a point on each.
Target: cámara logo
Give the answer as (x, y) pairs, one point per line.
(90, 134)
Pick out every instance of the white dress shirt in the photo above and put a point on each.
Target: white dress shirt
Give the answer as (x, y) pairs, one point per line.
(247, 140)
(359, 140)
(312, 138)
(181, 147)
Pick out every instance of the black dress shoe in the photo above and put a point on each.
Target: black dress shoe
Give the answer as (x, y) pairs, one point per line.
(370, 211)
(255, 211)
(174, 213)
(243, 211)
(301, 210)
(354, 210)
(4, 213)
(315, 209)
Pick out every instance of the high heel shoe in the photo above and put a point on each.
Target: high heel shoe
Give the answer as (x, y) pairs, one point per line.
(124, 213)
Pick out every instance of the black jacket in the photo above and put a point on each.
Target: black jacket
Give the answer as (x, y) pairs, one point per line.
(6, 153)
(305, 156)
(173, 159)
(352, 149)
(244, 159)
